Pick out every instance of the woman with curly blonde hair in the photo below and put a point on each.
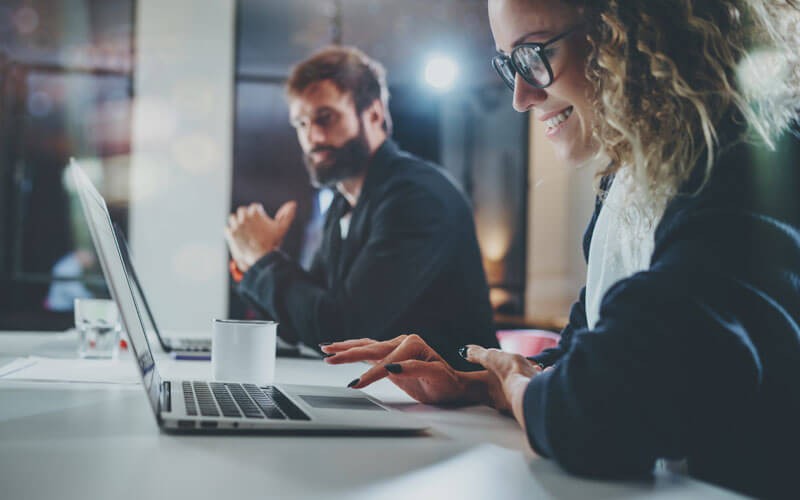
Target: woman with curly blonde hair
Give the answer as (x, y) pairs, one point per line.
(685, 343)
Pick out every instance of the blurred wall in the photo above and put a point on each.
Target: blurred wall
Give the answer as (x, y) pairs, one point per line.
(181, 157)
(560, 204)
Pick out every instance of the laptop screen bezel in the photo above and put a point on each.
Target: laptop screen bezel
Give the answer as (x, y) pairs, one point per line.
(145, 361)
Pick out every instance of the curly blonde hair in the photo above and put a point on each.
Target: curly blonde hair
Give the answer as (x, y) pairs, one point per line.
(669, 76)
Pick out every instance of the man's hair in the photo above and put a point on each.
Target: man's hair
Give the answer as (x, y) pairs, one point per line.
(351, 70)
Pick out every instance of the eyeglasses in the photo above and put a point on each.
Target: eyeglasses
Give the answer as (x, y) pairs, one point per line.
(530, 60)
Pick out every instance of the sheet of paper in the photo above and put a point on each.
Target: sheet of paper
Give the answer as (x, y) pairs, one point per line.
(103, 371)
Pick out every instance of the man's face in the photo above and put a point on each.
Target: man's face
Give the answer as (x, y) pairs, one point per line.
(331, 133)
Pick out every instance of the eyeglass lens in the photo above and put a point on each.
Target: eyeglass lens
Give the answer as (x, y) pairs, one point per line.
(530, 64)
(503, 67)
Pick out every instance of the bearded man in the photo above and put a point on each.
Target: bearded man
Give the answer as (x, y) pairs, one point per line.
(399, 254)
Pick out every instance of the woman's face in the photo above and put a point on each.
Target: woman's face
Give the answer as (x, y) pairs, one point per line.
(519, 21)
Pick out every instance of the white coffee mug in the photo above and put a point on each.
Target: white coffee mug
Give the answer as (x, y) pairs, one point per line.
(243, 351)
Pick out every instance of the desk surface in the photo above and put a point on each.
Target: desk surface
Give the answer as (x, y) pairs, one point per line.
(67, 440)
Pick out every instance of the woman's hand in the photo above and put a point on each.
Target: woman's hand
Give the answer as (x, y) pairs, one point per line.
(413, 366)
(509, 375)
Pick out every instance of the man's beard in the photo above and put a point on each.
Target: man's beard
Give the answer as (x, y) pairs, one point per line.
(343, 162)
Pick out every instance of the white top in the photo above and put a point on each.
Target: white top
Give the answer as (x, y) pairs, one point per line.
(622, 245)
(344, 225)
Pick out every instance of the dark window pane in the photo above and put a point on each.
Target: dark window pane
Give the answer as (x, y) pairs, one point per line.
(272, 35)
(402, 35)
(73, 33)
(65, 91)
(79, 115)
(268, 162)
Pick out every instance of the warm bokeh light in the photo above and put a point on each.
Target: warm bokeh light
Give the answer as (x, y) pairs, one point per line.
(196, 153)
(26, 20)
(494, 242)
(155, 119)
(152, 176)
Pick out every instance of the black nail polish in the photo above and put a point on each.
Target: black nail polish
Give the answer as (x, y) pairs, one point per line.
(353, 382)
(393, 368)
(323, 344)
(462, 351)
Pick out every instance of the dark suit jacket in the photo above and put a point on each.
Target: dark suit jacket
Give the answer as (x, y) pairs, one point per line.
(410, 264)
(697, 357)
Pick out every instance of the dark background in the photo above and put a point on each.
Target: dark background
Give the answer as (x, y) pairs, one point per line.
(66, 76)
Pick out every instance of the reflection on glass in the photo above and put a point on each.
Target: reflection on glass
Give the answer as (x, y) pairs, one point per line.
(63, 290)
(65, 74)
(66, 115)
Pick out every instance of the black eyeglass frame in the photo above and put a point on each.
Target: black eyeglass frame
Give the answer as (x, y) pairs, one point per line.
(539, 48)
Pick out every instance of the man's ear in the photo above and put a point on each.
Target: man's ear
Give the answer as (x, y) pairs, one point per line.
(375, 113)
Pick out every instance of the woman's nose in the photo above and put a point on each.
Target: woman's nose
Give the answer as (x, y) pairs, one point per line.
(526, 96)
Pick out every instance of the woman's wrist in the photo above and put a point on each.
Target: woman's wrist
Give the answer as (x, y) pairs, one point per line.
(516, 397)
(475, 388)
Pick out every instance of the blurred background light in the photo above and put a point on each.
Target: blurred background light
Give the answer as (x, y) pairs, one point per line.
(441, 72)
(26, 20)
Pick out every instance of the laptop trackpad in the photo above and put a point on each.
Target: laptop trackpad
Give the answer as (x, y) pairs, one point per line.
(340, 403)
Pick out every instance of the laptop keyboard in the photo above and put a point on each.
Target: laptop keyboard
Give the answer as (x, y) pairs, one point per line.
(212, 399)
(194, 345)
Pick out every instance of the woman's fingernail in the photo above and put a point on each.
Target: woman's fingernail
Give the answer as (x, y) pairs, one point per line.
(393, 368)
(328, 354)
(323, 344)
(462, 351)
(353, 382)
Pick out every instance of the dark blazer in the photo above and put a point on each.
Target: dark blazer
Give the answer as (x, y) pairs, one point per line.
(410, 264)
(697, 357)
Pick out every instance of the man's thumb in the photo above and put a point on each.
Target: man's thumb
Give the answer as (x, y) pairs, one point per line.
(285, 216)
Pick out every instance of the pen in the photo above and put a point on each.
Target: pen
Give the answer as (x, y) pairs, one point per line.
(190, 356)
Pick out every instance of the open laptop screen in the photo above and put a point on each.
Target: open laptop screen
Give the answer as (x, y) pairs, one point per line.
(138, 292)
(101, 229)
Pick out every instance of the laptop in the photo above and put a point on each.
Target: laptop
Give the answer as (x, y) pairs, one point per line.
(202, 406)
(198, 348)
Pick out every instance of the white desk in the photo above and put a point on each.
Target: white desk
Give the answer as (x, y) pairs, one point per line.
(83, 441)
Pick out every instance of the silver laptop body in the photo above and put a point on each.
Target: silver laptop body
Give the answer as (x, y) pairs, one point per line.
(201, 406)
(186, 346)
